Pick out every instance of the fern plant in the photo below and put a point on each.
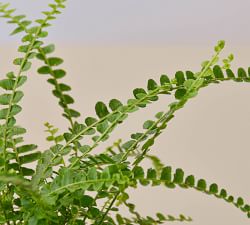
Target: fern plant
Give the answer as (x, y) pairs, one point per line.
(70, 184)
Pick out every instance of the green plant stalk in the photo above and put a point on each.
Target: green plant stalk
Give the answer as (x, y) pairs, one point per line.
(109, 207)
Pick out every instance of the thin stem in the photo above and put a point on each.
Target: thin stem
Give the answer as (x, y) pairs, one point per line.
(109, 207)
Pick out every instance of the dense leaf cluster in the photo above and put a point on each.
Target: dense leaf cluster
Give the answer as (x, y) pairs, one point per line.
(70, 184)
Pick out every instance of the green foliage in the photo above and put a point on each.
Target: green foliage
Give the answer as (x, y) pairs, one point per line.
(70, 184)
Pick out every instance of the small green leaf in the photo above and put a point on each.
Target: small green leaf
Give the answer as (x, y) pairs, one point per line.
(218, 72)
(103, 126)
(148, 143)
(78, 128)
(213, 189)
(127, 145)
(151, 174)
(161, 216)
(26, 66)
(223, 193)
(73, 113)
(44, 70)
(164, 79)
(16, 130)
(178, 176)
(92, 174)
(10, 75)
(64, 87)
(159, 115)
(138, 172)
(68, 99)
(27, 38)
(17, 30)
(54, 61)
(56, 93)
(86, 201)
(21, 80)
(242, 73)
(19, 17)
(18, 61)
(166, 174)
(114, 104)
(15, 109)
(43, 34)
(40, 56)
(152, 85)
(240, 202)
(190, 181)
(230, 198)
(202, 185)
(29, 158)
(190, 75)
(26, 23)
(23, 48)
(26, 148)
(101, 109)
(59, 73)
(139, 91)
(84, 148)
(90, 120)
(136, 136)
(31, 55)
(27, 171)
(48, 49)
(5, 98)
(180, 78)
(188, 83)
(220, 45)
(180, 93)
(34, 29)
(230, 73)
(148, 124)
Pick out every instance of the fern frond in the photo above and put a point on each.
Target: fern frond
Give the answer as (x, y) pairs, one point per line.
(160, 219)
(137, 218)
(13, 82)
(12, 157)
(50, 62)
(59, 88)
(121, 177)
(70, 192)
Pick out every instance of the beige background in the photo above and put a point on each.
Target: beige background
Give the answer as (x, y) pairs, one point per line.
(208, 138)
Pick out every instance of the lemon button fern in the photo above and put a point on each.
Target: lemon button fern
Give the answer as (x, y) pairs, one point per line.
(70, 184)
